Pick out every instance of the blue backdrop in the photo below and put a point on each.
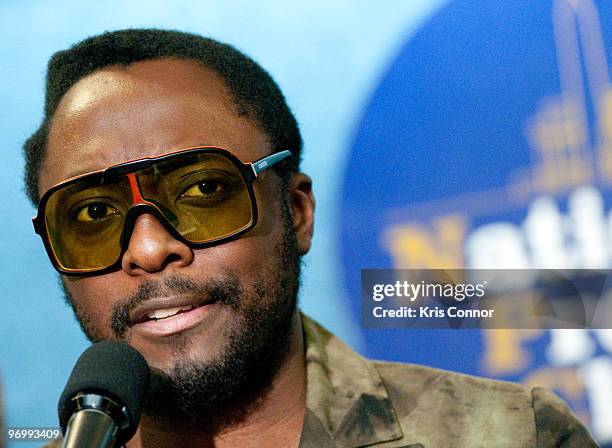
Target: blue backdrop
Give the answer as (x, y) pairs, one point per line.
(488, 144)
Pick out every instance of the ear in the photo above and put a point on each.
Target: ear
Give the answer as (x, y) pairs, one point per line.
(302, 204)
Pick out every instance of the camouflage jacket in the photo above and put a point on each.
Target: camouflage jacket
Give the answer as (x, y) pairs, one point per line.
(354, 402)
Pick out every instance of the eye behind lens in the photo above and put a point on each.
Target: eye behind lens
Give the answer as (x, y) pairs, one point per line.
(94, 211)
(205, 188)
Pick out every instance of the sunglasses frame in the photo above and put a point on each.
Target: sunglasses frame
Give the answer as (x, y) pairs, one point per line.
(248, 170)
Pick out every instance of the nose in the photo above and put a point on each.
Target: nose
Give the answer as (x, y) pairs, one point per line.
(152, 248)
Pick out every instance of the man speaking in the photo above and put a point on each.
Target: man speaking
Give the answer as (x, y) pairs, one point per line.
(166, 173)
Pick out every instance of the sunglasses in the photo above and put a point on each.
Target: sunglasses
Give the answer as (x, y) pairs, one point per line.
(203, 196)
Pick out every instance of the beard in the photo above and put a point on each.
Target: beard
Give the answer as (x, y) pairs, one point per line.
(256, 345)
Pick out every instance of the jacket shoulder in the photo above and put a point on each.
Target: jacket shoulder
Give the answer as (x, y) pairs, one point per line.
(447, 409)
(556, 424)
(420, 381)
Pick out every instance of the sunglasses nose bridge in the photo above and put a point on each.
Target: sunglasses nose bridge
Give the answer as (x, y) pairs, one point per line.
(135, 190)
(139, 205)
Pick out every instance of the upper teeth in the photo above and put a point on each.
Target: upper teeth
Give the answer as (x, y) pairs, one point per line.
(161, 314)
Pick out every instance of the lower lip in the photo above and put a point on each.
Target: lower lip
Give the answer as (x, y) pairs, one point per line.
(174, 324)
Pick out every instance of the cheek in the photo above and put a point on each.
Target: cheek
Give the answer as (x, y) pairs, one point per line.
(93, 300)
(253, 253)
(248, 257)
(270, 224)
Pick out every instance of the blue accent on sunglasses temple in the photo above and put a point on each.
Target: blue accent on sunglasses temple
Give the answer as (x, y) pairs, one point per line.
(268, 161)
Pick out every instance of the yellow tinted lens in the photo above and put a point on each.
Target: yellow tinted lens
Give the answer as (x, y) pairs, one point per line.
(84, 224)
(204, 196)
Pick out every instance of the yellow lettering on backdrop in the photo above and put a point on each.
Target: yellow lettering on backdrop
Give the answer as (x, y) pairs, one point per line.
(415, 246)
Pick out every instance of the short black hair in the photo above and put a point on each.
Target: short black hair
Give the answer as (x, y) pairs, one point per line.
(255, 93)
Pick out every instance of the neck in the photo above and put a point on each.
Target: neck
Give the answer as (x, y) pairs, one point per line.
(276, 419)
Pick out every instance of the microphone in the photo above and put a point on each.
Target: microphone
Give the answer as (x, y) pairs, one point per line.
(101, 403)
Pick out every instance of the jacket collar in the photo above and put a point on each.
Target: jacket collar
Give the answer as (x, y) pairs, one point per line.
(345, 395)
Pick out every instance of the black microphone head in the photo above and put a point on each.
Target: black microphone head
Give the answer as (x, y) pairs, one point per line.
(111, 369)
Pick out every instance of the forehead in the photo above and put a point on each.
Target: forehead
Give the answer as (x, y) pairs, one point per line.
(145, 109)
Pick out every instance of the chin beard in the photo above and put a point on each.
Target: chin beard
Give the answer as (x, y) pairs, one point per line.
(231, 385)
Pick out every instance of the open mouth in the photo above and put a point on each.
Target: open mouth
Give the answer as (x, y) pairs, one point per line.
(165, 314)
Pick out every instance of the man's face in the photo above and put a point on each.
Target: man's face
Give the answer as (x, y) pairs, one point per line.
(147, 109)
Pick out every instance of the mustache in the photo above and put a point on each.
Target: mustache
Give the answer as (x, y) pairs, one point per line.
(226, 291)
